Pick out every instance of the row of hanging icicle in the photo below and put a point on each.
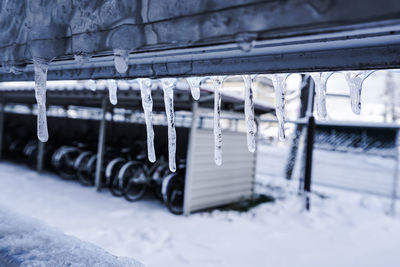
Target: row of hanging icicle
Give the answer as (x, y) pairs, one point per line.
(354, 80)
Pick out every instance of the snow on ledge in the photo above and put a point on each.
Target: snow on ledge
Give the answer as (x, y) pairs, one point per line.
(27, 242)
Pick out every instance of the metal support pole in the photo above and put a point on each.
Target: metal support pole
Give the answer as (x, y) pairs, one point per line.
(308, 152)
(395, 175)
(308, 165)
(1, 125)
(40, 156)
(100, 146)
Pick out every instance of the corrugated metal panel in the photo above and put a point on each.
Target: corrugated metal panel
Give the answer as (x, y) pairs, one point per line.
(212, 185)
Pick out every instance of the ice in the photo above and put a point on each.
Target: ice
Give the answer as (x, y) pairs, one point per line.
(147, 103)
(320, 81)
(91, 84)
(81, 59)
(112, 90)
(168, 86)
(121, 60)
(355, 80)
(217, 82)
(249, 113)
(246, 41)
(279, 82)
(40, 67)
(194, 83)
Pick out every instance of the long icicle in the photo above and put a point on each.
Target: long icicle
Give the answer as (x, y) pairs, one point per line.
(41, 66)
(112, 91)
(279, 82)
(147, 103)
(194, 84)
(320, 81)
(355, 80)
(249, 113)
(168, 88)
(217, 83)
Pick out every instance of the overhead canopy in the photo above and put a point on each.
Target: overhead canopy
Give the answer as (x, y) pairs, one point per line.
(65, 93)
(191, 37)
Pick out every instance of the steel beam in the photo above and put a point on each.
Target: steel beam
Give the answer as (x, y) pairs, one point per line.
(202, 37)
(101, 146)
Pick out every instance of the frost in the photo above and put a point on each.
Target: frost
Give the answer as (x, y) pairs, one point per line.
(320, 81)
(249, 113)
(147, 103)
(41, 66)
(112, 90)
(121, 60)
(168, 88)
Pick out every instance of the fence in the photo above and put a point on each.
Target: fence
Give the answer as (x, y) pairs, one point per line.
(349, 156)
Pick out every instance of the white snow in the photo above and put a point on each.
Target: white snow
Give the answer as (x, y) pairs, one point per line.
(27, 242)
(343, 229)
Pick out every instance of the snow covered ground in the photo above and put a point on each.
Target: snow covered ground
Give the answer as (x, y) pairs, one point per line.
(27, 242)
(343, 229)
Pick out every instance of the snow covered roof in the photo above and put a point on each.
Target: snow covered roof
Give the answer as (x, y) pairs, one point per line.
(181, 38)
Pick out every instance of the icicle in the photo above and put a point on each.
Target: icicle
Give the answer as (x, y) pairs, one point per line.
(168, 88)
(194, 83)
(217, 82)
(40, 67)
(147, 103)
(91, 84)
(355, 80)
(320, 81)
(112, 90)
(121, 60)
(249, 113)
(279, 82)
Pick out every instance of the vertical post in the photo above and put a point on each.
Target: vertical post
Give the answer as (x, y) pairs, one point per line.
(308, 153)
(2, 103)
(189, 160)
(308, 164)
(100, 146)
(395, 175)
(40, 156)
